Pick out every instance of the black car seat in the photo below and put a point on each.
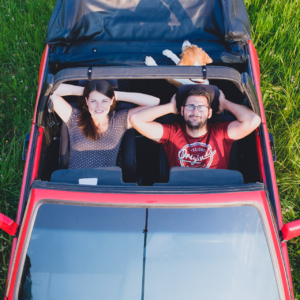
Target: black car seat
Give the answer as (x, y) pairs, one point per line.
(127, 154)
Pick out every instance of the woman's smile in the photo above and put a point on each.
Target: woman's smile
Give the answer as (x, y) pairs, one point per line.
(98, 104)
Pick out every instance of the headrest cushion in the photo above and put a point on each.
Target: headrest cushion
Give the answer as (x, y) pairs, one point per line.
(183, 91)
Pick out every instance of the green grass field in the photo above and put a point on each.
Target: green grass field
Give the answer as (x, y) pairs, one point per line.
(275, 33)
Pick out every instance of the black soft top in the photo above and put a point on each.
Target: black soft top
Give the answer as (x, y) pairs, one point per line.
(76, 21)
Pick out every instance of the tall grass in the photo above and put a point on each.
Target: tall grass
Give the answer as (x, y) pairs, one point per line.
(275, 33)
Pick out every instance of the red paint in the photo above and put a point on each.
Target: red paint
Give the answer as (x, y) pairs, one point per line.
(8, 225)
(273, 177)
(18, 219)
(37, 154)
(13, 249)
(21, 198)
(258, 197)
(290, 230)
(267, 140)
(41, 78)
(256, 74)
(284, 276)
(255, 60)
(287, 264)
(260, 157)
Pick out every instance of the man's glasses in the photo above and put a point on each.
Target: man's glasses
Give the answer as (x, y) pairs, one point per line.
(191, 107)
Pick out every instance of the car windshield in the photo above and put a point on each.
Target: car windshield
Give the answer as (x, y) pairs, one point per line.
(87, 252)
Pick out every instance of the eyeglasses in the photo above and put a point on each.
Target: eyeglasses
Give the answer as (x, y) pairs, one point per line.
(191, 107)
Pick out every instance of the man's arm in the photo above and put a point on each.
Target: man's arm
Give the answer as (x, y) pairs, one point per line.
(144, 101)
(246, 121)
(142, 121)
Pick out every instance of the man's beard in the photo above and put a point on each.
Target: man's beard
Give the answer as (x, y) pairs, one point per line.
(195, 125)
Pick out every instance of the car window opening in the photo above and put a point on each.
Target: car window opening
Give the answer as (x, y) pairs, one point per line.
(141, 161)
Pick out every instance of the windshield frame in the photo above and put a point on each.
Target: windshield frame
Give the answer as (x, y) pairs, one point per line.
(259, 205)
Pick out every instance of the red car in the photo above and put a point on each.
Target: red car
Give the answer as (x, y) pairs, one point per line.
(143, 232)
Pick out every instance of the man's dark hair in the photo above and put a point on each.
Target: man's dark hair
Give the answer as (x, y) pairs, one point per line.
(198, 92)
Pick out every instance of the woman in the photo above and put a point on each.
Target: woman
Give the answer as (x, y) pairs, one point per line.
(95, 128)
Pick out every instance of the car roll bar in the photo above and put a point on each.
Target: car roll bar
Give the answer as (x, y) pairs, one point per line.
(241, 81)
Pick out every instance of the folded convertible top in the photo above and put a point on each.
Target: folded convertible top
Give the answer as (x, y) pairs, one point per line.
(148, 20)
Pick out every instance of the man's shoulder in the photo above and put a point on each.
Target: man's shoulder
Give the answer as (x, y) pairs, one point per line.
(170, 131)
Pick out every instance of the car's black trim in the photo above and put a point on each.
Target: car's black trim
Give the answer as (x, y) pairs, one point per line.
(272, 145)
(29, 170)
(25, 146)
(145, 72)
(165, 190)
(250, 92)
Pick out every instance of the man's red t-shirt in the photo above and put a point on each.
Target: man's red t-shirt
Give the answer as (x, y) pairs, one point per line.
(210, 150)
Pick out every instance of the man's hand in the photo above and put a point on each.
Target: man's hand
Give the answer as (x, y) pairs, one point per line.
(174, 106)
(143, 122)
(222, 100)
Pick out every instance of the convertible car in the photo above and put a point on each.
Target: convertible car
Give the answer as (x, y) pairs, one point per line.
(144, 231)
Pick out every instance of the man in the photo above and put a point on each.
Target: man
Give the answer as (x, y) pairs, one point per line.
(196, 143)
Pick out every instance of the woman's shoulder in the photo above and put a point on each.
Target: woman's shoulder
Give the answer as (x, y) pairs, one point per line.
(74, 116)
(121, 114)
(119, 118)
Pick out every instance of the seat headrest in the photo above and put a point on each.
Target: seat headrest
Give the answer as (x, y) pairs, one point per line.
(213, 91)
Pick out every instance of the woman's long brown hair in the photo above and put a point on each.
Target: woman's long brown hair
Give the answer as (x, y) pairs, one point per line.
(85, 121)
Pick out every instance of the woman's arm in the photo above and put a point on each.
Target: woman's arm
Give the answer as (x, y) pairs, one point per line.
(60, 105)
(137, 98)
(142, 100)
(69, 90)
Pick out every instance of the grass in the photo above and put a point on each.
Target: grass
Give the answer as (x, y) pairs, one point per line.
(22, 41)
(275, 33)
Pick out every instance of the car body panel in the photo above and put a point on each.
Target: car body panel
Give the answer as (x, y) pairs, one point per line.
(257, 199)
(256, 72)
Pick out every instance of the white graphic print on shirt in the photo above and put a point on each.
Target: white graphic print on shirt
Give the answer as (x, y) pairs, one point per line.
(199, 154)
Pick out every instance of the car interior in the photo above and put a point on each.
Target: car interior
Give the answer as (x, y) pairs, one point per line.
(142, 162)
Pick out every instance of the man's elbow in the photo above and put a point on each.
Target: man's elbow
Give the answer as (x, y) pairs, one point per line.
(134, 120)
(255, 122)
